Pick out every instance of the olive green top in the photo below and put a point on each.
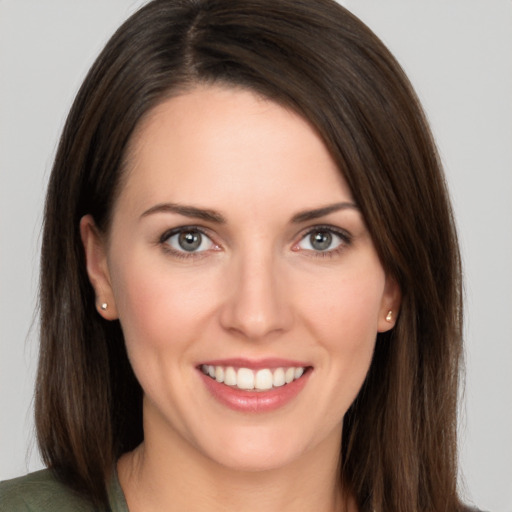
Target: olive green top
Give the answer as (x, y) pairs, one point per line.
(41, 492)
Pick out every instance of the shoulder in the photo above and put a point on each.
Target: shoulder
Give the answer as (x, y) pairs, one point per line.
(39, 492)
(468, 508)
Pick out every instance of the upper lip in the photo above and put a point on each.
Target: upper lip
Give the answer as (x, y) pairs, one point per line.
(256, 364)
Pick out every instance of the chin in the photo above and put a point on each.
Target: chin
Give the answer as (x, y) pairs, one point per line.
(256, 451)
(254, 462)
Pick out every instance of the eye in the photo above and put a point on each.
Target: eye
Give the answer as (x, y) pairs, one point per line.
(187, 240)
(323, 240)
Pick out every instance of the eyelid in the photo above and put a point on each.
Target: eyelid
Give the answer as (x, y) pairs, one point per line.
(179, 229)
(343, 234)
(163, 239)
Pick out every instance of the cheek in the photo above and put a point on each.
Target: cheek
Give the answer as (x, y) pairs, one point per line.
(343, 317)
(162, 315)
(347, 308)
(159, 311)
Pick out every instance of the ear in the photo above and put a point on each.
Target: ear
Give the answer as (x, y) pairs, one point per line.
(97, 267)
(390, 305)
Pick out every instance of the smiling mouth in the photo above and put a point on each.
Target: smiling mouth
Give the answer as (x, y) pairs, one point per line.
(245, 379)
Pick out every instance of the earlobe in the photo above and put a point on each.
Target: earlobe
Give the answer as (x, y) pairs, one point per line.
(390, 305)
(97, 267)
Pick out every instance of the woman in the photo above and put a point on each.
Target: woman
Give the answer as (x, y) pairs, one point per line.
(250, 290)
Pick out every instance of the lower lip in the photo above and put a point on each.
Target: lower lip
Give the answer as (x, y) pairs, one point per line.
(255, 401)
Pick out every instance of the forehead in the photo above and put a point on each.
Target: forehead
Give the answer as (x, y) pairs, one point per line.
(217, 144)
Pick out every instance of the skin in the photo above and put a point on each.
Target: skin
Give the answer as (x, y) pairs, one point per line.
(257, 288)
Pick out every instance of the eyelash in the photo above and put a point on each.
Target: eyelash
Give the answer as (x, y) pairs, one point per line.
(344, 236)
(163, 241)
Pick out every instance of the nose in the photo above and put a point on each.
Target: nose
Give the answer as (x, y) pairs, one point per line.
(258, 305)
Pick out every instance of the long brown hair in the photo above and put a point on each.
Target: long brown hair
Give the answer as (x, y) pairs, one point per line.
(399, 436)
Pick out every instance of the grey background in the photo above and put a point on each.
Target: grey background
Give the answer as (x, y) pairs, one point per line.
(458, 54)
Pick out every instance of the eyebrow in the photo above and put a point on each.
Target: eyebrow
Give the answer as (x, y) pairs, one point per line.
(308, 215)
(186, 211)
(216, 217)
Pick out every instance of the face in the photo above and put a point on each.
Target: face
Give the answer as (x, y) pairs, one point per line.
(244, 278)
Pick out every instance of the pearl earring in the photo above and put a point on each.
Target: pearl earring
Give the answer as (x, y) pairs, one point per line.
(389, 316)
(104, 306)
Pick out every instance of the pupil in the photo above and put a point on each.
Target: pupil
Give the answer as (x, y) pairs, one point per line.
(321, 240)
(190, 240)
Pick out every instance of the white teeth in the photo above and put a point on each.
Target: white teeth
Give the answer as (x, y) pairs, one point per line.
(278, 378)
(247, 379)
(230, 376)
(289, 375)
(219, 374)
(263, 380)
